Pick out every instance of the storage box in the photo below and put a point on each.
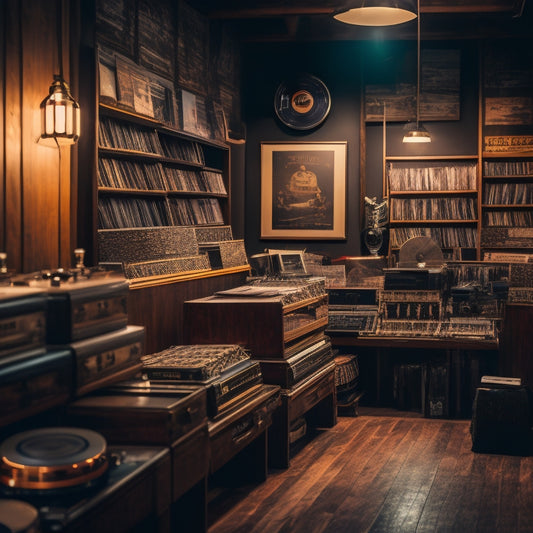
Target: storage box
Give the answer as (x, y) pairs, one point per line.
(22, 320)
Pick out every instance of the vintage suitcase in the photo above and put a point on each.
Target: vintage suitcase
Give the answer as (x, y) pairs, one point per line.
(85, 308)
(287, 373)
(106, 359)
(226, 370)
(142, 412)
(230, 386)
(22, 320)
(193, 361)
(171, 414)
(32, 381)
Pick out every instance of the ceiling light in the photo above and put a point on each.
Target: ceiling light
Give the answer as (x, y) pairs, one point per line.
(379, 13)
(416, 133)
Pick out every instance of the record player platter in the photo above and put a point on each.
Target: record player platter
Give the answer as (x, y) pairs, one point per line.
(52, 459)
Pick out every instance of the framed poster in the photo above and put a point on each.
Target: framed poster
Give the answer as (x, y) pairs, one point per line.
(303, 190)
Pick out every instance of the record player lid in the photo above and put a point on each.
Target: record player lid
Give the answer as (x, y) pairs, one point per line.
(420, 252)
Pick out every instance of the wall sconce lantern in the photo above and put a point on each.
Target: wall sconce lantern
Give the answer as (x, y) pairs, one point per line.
(60, 115)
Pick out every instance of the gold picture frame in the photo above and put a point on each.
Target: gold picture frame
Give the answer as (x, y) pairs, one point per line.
(303, 190)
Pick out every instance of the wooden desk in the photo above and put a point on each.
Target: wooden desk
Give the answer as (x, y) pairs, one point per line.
(466, 359)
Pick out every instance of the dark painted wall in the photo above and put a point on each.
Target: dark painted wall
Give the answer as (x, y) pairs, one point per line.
(340, 65)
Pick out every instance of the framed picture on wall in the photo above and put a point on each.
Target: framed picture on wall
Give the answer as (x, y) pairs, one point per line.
(303, 190)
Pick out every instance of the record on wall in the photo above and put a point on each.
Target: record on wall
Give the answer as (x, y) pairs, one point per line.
(302, 103)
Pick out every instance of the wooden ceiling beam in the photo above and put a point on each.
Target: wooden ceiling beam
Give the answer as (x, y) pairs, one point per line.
(268, 12)
(275, 9)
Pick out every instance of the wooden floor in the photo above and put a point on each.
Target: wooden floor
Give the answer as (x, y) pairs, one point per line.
(386, 474)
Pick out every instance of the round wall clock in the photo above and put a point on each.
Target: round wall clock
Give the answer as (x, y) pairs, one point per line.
(302, 103)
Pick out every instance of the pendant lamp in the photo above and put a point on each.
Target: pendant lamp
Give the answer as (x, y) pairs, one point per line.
(60, 113)
(415, 132)
(379, 13)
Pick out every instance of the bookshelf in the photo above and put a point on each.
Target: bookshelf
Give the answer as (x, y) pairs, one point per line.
(506, 150)
(150, 174)
(507, 203)
(434, 196)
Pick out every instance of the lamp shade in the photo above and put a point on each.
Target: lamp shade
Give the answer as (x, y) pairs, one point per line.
(416, 133)
(379, 13)
(60, 115)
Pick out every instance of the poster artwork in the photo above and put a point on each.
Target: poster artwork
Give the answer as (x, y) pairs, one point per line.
(302, 190)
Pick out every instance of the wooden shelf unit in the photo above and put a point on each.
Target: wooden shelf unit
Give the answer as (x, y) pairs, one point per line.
(419, 188)
(507, 202)
(261, 325)
(197, 174)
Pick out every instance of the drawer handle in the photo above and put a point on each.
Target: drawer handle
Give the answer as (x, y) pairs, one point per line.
(256, 424)
(244, 436)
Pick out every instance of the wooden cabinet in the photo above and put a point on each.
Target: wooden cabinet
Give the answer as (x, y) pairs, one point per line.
(265, 326)
(247, 423)
(436, 197)
(314, 398)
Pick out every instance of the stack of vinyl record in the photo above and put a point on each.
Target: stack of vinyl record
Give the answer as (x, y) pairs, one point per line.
(226, 370)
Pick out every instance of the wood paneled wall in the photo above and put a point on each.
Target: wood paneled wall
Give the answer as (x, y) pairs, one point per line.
(36, 198)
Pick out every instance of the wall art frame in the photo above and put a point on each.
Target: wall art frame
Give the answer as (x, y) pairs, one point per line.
(303, 190)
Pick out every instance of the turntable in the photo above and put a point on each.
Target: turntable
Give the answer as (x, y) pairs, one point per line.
(420, 266)
(79, 484)
(52, 460)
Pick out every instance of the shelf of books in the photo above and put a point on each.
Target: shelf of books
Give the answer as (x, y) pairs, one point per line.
(507, 205)
(138, 157)
(435, 197)
(507, 152)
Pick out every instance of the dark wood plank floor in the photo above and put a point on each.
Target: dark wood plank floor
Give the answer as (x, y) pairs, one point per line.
(386, 474)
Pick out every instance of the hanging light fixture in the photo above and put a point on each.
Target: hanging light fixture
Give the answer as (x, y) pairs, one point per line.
(60, 113)
(416, 133)
(378, 13)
